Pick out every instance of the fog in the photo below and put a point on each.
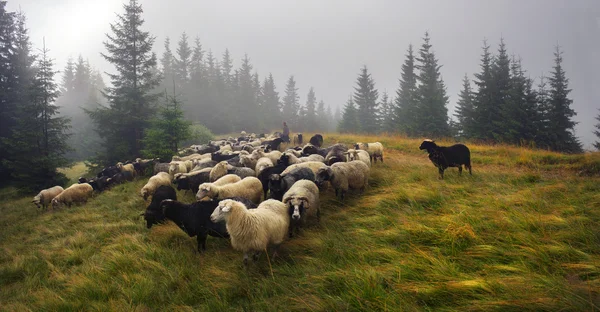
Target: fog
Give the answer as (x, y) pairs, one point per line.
(324, 43)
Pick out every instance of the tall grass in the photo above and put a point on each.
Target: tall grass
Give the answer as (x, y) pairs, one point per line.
(521, 234)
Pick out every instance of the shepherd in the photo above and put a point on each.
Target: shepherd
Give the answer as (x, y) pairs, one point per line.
(286, 133)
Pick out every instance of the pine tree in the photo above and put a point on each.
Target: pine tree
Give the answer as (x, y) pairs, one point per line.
(40, 133)
(322, 118)
(182, 62)
(597, 133)
(291, 104)
(8, 82)
(432, 113)
(502, 85)
(483, 105)
(560, 112)
(246, 101)
(386, 114)
(349, 121)
(543, 107)
(68, 77)
(271, 105)
(365, 98)
(464, 110)
(405, 108)
(167, 65)
(131, 101)
(310, 117)
(227, 67)
(162, 138)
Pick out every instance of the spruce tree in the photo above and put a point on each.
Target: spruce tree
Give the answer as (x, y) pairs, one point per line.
(331, 121)
(543, 135)
(291, 106)
(597, 132)
(271, 104)
(68, 77)
(39, 133)
(502, 85)
(337, 117)
(167, 66)
(246, 101)
(405, 108)
(131, 98)
(227, 67)
(310, 117)
(349, 120)
(464, 110)
(365, 98)
(162, 138)
(322, 117)
(560, 112)
(483, 104)
(432, 113)
(386, 114)
(182, 61)
(8, 82)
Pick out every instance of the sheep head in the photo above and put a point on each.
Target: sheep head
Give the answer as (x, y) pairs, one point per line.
(428, 145)
(222, 210)
(144, 193)
(203, 191)
(297, 207)
(323, 174)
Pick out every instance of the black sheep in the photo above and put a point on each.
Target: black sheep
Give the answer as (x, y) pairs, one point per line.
(194, 219)
(335, 154)
(312, 149)
(316, 140)
(154, 214)
(192, 181)
(120, 178)
(217, 156)
(448, 156)
(272, 145)
(204, 149)
(264, 175)
(278, 184)
(298, 139)
(109, 171)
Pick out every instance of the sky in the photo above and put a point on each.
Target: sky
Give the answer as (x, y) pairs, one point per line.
(324, 43)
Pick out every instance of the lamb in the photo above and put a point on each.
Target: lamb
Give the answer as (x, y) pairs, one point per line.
(194, 219)
(302, 199)
(45, 197)
(76, 193)
(344, 176)
(353, 154)
(312, 165)
(375, 150)
(335, 154)
(251, 231)
(161, 178)
(191, 181)
(262, 164)
(249, 187)
(279, 184)
(316, 140)
(448, 156)
(218, 171)
(153, 213)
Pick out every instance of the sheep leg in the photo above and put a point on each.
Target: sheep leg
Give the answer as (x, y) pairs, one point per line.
(255, 256)
(291, 231)
(246, 259)
(459, 170)
(441, 171)
(275, 251)
(342, 193)
(336, 192)
(201, 238)
(469, 167)
(381, 157)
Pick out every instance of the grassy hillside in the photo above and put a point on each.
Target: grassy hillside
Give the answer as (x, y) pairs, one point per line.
(521, 234)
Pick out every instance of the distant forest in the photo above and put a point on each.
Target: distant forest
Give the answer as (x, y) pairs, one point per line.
(45, 123)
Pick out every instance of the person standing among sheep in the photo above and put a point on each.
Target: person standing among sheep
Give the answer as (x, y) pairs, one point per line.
(286, 133)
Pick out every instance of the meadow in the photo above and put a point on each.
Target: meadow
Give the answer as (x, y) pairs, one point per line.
(521, 234)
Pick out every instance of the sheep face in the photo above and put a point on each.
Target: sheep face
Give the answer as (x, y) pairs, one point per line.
(203, 191)
(145, 194)
(323, 174)
(56, 204)
(275, 183)
(428, 145)
(222, 210)
(297, 208)
(37, 200)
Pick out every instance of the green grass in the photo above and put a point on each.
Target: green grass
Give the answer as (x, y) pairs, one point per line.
(521, 234)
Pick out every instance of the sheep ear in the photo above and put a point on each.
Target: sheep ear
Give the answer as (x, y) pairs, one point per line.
(226, 208)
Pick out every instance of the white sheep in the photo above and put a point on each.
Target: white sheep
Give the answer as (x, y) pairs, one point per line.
(161, 178)
(178, 167)
(293, 151)
(45, 197)
(126, 167)
(302, 199)
(353, 154)
(262, 164)
(76, 193)
(192, 157)
(225, 148)
(218, 171)
(273, 155)
(375, 150)
(344, 176)
(249, 188)
(252, 231)
(313, 157)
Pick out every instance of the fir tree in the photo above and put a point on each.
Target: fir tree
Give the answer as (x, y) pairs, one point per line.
(271, 104)
(464, 110)
(310, 117)
(405, 108)
(291, 105)
(246, 101)
(40, 133)
(8, 83)
(131, 101)
(386, 114)
(331, 121)
(68, 77)
(337, 116)
(323, 119)
(365, 98)
(432, 113)
(483, 104)
(227, 67)
(167, 131)
(543, 135)
(561, 125)
(183, 61)
(349, 121)
(167, 65)
(502, 87)
(597, 132)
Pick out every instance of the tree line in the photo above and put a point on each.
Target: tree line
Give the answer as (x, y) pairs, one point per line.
(504, 106)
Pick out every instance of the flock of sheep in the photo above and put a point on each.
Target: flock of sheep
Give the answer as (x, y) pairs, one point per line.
(254, 190)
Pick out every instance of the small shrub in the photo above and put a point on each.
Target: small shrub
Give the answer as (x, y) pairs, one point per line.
(199, 135)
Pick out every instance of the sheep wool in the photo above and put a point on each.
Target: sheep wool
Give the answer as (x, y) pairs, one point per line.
(345, 175)
(253, 230)
(45, 197)
(262, 164)
(361, 155)
(76, 193)
(375, 150)
(227, 179)
(161, 178)
(302, 199)
(249, 188)
(313, 165)
(218, 171)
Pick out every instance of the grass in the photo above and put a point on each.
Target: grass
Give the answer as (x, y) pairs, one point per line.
(521, 234)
